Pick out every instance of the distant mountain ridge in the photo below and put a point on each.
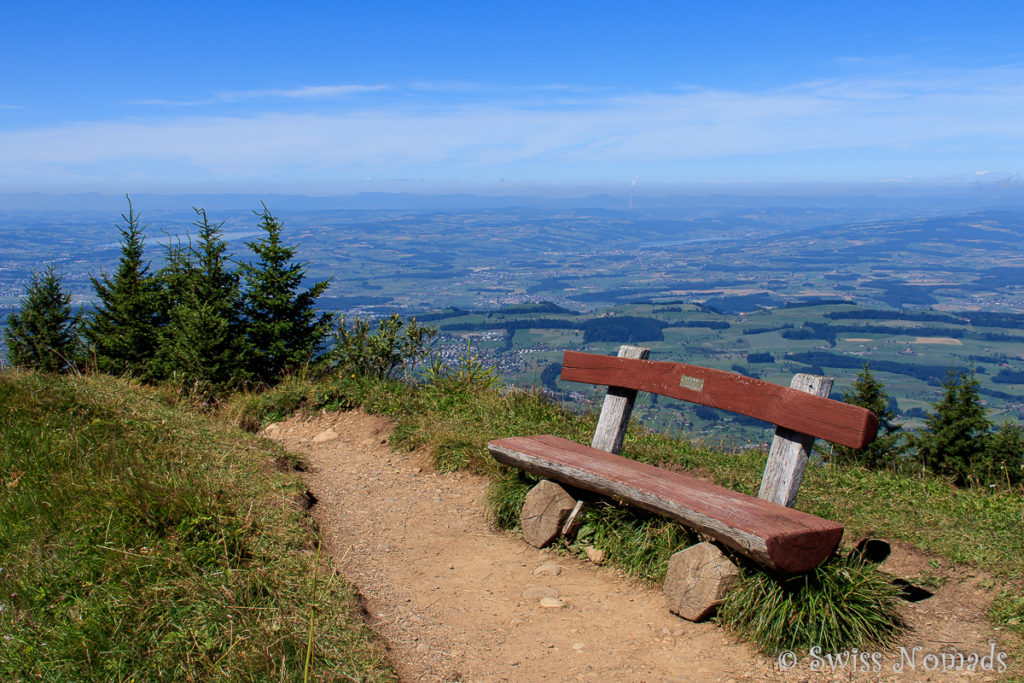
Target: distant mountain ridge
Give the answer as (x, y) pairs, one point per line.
(962, 199)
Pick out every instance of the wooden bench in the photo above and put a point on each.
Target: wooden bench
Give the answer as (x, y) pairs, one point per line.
(766, 528)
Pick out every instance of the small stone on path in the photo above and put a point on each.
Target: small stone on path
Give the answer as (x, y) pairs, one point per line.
(539, 593)
(551, 603)
(548, 569)
(325, 436)
(594, 555)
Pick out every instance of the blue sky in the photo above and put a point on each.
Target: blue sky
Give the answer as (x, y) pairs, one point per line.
(491, 96)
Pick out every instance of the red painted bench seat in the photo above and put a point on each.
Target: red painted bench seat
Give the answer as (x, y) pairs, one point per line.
(774, 535)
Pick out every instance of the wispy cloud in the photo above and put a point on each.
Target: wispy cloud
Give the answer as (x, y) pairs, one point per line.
(498, 88)
(10, 106)
(159, 102)
(906, 124)
(308, 92)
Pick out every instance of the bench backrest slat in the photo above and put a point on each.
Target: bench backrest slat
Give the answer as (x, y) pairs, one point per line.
(817, 416)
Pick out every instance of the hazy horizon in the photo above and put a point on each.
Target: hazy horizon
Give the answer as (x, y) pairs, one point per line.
(931, 196)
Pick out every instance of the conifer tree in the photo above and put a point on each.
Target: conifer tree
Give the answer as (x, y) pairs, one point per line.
(204, 339)
(955, 442)
(43, 333)
(123, 331)
(284, 331)
(1006, 455)
(174, 280)
(868, 392)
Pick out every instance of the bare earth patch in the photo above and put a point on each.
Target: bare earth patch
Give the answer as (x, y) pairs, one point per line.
(950, 341)
(457, 601)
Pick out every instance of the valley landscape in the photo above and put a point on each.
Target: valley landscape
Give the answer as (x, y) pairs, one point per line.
(760, 287)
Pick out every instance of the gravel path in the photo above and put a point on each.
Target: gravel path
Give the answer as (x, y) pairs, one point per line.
(457, 601)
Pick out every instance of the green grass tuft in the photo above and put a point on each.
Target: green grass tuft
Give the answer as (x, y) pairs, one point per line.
(505, 497)
(844, 603)
(639, 543)
(1007, 610)
(254, 410)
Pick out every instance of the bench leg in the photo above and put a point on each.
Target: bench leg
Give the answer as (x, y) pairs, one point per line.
(546, 513)
(616, 409)
(697, 580)
(787, 459)
(574, 521)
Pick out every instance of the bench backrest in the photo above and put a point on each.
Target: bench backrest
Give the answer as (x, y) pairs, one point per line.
(818, 416)
(798, 415)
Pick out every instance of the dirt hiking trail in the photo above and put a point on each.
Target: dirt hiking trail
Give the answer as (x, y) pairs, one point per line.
(458, 601)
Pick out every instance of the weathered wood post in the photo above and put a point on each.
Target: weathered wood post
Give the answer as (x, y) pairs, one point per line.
(548, 514)
(790, 450)
(617, 408)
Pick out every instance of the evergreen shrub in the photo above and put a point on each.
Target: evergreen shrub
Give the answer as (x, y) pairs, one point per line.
(43, 333)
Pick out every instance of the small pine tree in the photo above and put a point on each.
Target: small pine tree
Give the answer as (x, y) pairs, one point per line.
(123, 331)
(284, 332)
(176, 278)
(955, 441)
(204, 339)
(1006, 455)
(868, 392)
(43, 333)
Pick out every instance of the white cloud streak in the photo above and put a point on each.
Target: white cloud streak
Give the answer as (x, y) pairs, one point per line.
(309, 91)
(980, 112)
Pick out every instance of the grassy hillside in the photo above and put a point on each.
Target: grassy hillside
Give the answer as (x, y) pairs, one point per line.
(143, 541)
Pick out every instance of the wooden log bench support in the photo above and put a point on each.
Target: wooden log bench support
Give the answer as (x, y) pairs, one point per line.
(765, 528)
